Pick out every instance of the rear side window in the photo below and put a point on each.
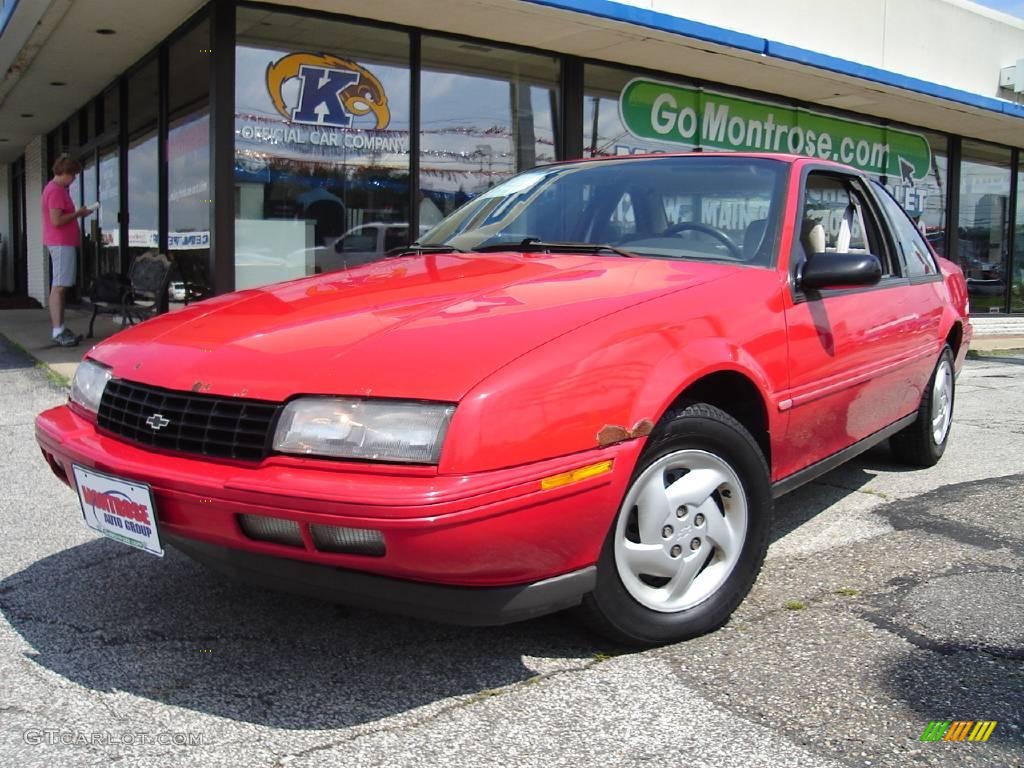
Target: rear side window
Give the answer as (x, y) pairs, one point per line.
(916, 254)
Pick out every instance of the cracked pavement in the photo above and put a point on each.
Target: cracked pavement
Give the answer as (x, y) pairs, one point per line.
(889, 598)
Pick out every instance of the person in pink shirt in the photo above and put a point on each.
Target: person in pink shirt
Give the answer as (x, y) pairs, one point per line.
(61, 239)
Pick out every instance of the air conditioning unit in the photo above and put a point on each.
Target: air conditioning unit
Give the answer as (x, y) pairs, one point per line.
(1012, 78)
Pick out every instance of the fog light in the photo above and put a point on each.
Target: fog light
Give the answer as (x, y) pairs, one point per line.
(351, 541)
(273, 529)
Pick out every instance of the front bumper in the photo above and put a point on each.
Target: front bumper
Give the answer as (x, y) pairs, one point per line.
(469, 606)
(497, 531)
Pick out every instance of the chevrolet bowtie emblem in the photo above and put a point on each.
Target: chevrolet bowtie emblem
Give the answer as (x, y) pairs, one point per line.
(157, 421)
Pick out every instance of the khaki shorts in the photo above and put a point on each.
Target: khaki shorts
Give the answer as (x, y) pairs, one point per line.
(62, 264)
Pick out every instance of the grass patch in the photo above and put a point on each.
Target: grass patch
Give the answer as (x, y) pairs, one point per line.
(55, 378)
(847, 592)
(52, 376)
(979, 354)
(794, 605)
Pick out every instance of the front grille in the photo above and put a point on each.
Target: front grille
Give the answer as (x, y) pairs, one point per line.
(224, 427)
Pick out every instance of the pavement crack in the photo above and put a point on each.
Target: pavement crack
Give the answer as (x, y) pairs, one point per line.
(943, 647)
(462, 703)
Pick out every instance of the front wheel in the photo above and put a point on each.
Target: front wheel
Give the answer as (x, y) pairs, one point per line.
(690, 535)
(923, 442)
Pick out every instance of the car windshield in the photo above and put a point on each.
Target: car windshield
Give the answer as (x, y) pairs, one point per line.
(694, 207)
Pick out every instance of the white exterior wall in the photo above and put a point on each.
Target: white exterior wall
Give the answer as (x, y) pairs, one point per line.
(35, 178)
(6, 246)
(950, 42)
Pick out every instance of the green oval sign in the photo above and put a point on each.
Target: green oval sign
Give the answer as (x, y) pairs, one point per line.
(696, 117)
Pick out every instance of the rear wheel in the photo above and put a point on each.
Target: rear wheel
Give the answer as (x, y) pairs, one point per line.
(923, 442)
(690, 535)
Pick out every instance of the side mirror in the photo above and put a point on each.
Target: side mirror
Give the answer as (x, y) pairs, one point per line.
(834, 270)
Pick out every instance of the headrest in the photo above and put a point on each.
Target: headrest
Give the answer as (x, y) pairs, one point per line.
(812, 237)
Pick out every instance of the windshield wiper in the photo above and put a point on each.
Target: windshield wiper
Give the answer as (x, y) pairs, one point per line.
(535, 244)
(402, 250)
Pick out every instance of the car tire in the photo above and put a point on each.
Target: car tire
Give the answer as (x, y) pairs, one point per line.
(690, 535)
(922, 443)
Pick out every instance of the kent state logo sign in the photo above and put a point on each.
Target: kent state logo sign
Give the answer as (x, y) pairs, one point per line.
(332, 91)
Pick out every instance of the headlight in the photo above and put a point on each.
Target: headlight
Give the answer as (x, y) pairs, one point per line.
(383, 430)
(88, 385)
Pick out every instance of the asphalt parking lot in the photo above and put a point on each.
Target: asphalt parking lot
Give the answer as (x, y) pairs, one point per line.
(890, 598)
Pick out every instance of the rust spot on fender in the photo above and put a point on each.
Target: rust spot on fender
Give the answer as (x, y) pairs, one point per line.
(613, 433)
(642, 428)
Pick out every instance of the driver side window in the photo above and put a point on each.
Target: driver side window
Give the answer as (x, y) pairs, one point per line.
(836, 218)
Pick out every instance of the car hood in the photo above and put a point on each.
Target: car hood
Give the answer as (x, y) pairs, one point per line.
(424, 327)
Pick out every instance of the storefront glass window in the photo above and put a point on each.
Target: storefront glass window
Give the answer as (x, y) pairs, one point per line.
(487, 113)
(983, 235)
(188, 165)
(924, 198)
(143, 192)
(89, 252)
(321, 142)
(108, 233)
(1017, 290)
(143, 164)
(75, 190)
(604, 133)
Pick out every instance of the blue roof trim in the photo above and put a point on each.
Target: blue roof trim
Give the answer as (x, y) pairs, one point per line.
(630, 14)
(663, 22)
(6, 13)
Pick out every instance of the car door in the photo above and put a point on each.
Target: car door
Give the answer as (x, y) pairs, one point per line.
(854, 353)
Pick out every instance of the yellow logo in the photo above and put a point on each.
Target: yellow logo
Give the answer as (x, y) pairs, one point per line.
(332, 91)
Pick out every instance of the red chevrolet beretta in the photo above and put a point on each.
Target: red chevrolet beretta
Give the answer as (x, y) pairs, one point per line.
(583, 388)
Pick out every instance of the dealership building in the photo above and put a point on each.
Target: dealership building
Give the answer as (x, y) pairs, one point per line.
(249, 139)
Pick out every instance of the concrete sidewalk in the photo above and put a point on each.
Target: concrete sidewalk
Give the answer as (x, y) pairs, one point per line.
(30, 330)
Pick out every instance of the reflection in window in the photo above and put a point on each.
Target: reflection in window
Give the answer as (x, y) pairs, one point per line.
(603, 131)
(982, 235)
(486, 114)
(188, 204)
(143, 208)
(109, 234)
(143, 163)
(321, 141)
(75, 191)
(89, 251)
(188, 166)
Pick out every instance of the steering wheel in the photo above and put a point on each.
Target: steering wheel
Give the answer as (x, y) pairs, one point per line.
(719, 235)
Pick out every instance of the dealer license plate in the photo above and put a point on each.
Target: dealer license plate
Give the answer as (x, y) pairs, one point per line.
(119, 509)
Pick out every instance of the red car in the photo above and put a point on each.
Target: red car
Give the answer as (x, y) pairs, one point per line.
(583, 388)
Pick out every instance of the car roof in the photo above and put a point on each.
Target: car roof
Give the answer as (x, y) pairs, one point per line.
(782, 157)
